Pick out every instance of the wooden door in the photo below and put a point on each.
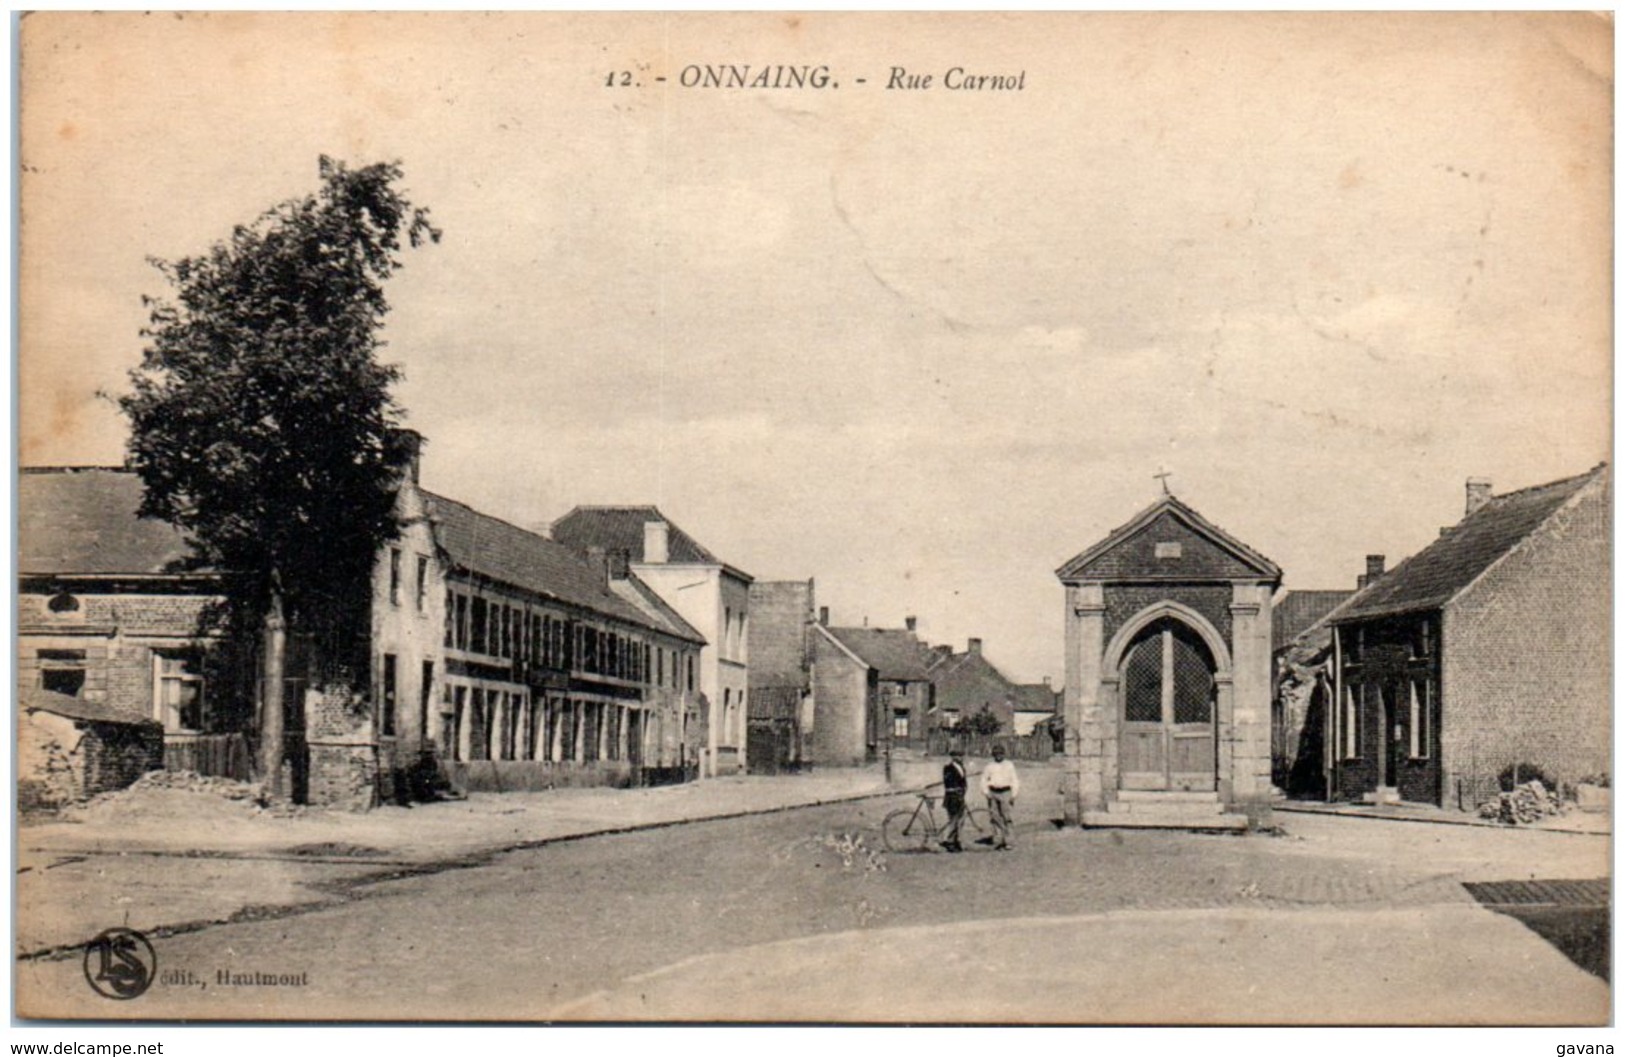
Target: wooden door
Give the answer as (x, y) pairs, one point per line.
(1168, 693)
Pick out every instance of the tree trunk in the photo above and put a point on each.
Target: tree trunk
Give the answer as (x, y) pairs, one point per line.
(272, 708)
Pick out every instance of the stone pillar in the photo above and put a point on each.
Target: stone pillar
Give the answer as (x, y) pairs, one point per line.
(1246, 737)
(1084, 787)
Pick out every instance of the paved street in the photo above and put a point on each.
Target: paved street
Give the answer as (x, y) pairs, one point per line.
(1345, 920)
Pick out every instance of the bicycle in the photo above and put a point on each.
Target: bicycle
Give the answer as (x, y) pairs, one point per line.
(916, 828)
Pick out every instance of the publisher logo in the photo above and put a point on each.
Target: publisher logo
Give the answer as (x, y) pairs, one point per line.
(120, 964)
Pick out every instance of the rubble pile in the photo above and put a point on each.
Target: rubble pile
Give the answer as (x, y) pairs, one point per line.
(183, 793)
(1524, 805)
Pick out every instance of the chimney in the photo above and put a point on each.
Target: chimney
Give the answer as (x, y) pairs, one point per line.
(823, 615)
(598, 560)
(974, 646)
(943, 651)
(656, 542)
(1375, 566)
(910, 623)
(411, 442)
(1478, 493)
(1046, 682)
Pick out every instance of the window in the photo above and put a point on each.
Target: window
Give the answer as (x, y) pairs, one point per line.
(62, 671)
(425, 696)
(899, 723)
(1421, 715)
(179, 692)
(1422, 640)
(387, 719)
(462, 622)
(476, 630)
(1168, 551)
(451, 619)
(1351, 725)
(423, 582)
(691, 673)
(63, 603)
(394, 576)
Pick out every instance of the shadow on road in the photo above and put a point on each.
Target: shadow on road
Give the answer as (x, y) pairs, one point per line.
(1570, 915)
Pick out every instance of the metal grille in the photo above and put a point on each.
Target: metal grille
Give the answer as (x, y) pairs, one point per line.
(1193, 679)
(1142, 681)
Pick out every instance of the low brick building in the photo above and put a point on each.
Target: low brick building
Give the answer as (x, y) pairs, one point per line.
(111, 611)
(1487, 650)
(968, 682)
(70, 749)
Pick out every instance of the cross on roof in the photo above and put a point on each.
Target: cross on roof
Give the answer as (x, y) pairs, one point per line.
(1162, 475)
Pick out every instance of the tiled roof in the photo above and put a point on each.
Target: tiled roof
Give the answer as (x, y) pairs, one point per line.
(774, 702)
(1035, 697)
(84, 522)
(967, 681)
(1135, 564)
(620, 528)
(639, 594)
(1436, 574)
(35, 699)
(493, 548)
(891, 652)
(1297, 612)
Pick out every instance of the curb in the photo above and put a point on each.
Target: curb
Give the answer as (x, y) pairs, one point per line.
(1473, 822)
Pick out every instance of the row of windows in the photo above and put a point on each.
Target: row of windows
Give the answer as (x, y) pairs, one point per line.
(1419, 716)
(489, 724)
(478, 625)
(178, 697)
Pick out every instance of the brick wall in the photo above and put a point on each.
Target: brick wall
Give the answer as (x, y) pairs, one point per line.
(1527, 657)
(1124, 602)
(61, 761)
(841, 699)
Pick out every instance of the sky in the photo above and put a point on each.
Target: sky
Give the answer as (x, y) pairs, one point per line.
(921, 345)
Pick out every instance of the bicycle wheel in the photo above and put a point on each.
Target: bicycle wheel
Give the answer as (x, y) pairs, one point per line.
(905, 830)
(978, 827)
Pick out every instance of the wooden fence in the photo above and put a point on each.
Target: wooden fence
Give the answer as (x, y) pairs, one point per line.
(222, 755)
(1036, 748)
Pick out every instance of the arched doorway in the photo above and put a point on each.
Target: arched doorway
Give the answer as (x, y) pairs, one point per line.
(1169, 692)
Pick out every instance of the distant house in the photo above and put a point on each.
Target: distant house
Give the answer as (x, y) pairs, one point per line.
(113, 611)
(780, 720)
(968, 682)
(1301, 642)
(1488, 649)
(872, 692)
(711, 595)
(1037, 705)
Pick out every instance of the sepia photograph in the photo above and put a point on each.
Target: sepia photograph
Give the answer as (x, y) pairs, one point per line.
(814, 518)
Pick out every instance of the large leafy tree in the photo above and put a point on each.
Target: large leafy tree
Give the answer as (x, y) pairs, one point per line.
(262, 420)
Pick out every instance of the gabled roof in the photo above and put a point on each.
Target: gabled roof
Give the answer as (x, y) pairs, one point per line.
(1035, 697)
(891, 652)
(1298, 611)
(492, 548)
(774, 702)
(1436, 574)
(967, 681)
(35, 699)
(620, 528)
(84, 522)
(1125, 541)
(661, 615)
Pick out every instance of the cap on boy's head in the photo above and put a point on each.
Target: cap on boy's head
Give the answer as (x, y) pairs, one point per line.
(998, 752)
(958, 754)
